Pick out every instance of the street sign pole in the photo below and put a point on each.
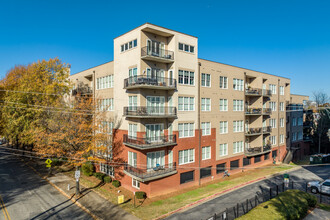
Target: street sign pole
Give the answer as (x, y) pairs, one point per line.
(77, 176)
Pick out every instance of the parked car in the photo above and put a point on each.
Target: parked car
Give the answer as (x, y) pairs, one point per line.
(319, 186)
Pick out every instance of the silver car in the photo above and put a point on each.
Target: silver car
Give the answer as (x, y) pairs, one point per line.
(319, 186)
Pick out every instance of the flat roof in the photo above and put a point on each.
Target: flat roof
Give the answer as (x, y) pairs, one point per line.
(92, 67)
(243, 68)
(299, 95)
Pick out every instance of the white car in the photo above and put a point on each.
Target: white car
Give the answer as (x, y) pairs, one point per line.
(318, 186)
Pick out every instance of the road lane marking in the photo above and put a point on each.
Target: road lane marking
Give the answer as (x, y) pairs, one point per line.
(3, 207)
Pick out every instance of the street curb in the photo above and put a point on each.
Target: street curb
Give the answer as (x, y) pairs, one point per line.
(62, 192)
(225, 192)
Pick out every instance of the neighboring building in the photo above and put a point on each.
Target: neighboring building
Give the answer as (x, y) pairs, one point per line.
(295, 124)
(180, 112)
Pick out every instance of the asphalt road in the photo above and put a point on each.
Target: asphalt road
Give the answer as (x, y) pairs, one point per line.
(25, 195)
(219, 204)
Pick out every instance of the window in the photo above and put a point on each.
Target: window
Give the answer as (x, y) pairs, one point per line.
(238, 105)
(206, 128)
(132, 158)
(238, 126)
(274, 153)
(104, 82)
(107, 169)
(238, 84)
(105, 127)
(266, 157)
(223, 104)
(221, 167)
(223, 82)
(272, 88)
(205, 172)
(186, 103)
(272, 140)
(186, 156)
(272, 122)
(106, 104)
(187, 177)
(132, 103)
(281, 106)
(223, 149)
(281, 90)
(186, 130)
(300, 135)
(246, 161)
(234, 164)
(135, 183)
(128, 45)
(206, 80)
(282, 122)
(206, 153)
(132, 130)
(206, 104)
(186, 48)
(300, 121)
(294, 121)
(156, 158)
(257, 159)
(272, 106)
(186, 77)
(223, 127)
(294, 136)
(281, 138)
(237, 147)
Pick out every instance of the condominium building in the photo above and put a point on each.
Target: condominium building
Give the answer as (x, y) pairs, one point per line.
(185, 120)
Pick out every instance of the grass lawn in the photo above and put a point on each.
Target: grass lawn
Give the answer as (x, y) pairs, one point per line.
(303, 161)
(157, 206)
(323, 206)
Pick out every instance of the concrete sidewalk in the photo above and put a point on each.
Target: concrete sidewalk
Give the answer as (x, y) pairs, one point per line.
(318, 214)
(90, 201)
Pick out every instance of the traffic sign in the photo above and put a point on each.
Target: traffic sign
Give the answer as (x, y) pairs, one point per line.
(77, 174)
(48, 165)
(121, 199)
(48, 162)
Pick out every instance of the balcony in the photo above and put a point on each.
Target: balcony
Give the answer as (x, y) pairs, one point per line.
(266, 111)
(267, 148)
(254, 151)
(149, 143)
(145, 174)
(253, 111)
(253, 131)
(150, 112)
(145, 82)
(157, 54)
(82, 89)
(253, 92)
(266, 92)
(267, 130)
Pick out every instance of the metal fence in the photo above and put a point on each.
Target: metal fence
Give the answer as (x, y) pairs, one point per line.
(263, 196)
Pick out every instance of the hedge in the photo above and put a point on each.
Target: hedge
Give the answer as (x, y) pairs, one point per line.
(99, 175)
(107, 179)
(291, 204)
(140, 195)
(116, 183)
(87, 168)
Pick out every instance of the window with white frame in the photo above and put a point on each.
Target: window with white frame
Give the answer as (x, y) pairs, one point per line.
(132, 131)
(238, 84)
(272, 140)
(206, 80)
(186, 103)
(223, 127)
(272, 122)
(272, 88)
(132, 103)
(272, 106)
(106, 104)
(281, 106)
(186, 156)
(238, 147)
(282, 122)
(238, 105)
(128, 45)
(206, 128)
(281, 90)
(223, 104)
(105, 127)
(281, 138)
(238, 126)
(186, 130)
(132, 158)
(186, 48)
(206, 104)
(107, 169)
(223, 149)
(206, 153)
(186, 77)
(135, 183)
(223, 82)
(104, 82)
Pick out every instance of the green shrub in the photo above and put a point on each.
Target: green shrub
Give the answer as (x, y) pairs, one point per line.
(87, 168)
(140, 195)
(107, 179)
(56, 162)
(115, 183)
(99, 175)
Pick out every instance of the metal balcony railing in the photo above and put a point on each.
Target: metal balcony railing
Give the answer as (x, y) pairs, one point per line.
(266, 92)
(149, 142)
(82, 90)
(267, 129)
(150, 111)
(157, 52)
(145, 174)
(266, 111)
(253, 151)
(253, 131)
(253, 111)
(267, 147)
(145, 81)
(253, 92)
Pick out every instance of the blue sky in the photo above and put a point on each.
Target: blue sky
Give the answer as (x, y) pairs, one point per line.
(289, 38)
